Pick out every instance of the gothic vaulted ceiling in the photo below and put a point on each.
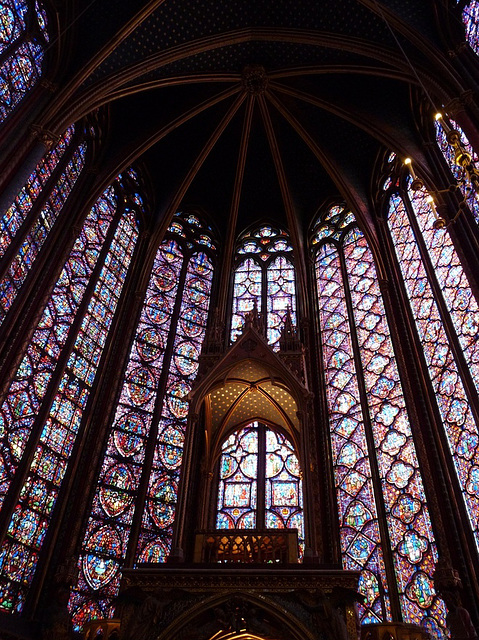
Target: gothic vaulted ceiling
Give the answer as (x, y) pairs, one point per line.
(252, 109)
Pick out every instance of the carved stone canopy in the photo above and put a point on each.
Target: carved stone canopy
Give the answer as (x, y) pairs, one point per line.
(220, 603)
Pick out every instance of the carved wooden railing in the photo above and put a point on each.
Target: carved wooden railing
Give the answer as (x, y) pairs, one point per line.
(247, 545)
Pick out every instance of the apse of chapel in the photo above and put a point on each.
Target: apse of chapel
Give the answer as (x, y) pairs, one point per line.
(171, 76)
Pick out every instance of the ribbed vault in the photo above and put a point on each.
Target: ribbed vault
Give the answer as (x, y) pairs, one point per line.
(177, 80)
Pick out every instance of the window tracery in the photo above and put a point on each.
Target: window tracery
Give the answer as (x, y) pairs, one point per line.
(22, 47)
(28, 221)
(470, 18)
(264, 278)
(374, 455)
(44, 406)
(145, 443)
(260, 482)
(459, 173)
(446, 316)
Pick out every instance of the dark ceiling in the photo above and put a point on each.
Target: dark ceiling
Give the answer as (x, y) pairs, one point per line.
(254, 109)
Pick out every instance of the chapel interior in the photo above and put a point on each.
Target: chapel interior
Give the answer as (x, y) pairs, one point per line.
(239, 320)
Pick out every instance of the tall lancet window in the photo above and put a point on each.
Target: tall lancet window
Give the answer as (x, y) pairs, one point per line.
(385, 526)
(42, 412)
(26, 224)
(24, 36)
(138, 480)
(458, 172)
(264, 278)
(470, 17)
(259, 482)
(446, 316)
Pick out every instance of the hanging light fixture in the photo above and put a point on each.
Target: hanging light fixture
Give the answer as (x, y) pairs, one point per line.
(417, 184)
(462, 157)
(439, 222)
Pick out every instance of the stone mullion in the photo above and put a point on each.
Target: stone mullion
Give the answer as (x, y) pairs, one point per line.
(71, 508)
(261, 478)
(469, 386)
(140, 501)
(382, 518)
(26, 311)
(432, 450)
(23, 468)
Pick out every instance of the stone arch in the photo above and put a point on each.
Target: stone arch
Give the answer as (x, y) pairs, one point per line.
(239, 615)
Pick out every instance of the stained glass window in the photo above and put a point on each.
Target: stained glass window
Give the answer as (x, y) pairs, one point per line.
(457, 171)
(470, 17)
(264, 279)
(24, 35)
(44, 407)
(257, 461)
(370, 432)
(32, 215)
(145, 443)
(447, 316)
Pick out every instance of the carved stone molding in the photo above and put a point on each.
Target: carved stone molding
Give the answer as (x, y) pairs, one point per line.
(45, 136)
(195, 602)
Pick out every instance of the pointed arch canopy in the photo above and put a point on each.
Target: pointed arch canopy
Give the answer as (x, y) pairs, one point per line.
(251, 382)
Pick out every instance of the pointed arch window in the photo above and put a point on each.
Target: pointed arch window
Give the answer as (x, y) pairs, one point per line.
(470, 18)
(459, 173)
(22, 46)
(436, 283)
(27, 222)
(381, 501)
(264, 278)
(145, 444)
(43, 408)
(260, 482)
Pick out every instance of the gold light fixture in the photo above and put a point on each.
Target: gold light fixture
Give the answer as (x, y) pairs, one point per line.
(417, 184)
(462, 157)
(439, 222)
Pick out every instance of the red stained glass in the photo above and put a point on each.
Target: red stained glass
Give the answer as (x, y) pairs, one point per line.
(459, 305)
(37, 373)
(174, 278)
(365, 333)
(42, 224)
(265, 281)
(23, 49)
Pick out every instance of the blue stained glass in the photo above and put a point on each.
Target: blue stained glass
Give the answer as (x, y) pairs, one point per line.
(275, 266)
(410, 532)
(470, 17)
(18, 74)
(240, 475)
(38, 495)
(41, 226)
(117, 490)
(159, 514)
(451, 396)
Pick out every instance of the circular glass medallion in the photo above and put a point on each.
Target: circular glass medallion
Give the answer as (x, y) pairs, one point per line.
(186, 358)
(149, 344)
